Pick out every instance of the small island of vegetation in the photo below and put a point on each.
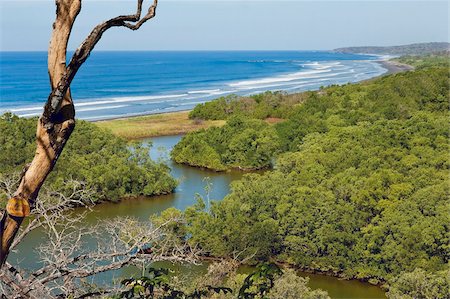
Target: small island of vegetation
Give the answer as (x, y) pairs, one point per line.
(240, 143)
(93, 156)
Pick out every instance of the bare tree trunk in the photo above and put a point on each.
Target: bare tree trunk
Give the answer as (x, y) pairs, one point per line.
(58, 119)
(50, 140)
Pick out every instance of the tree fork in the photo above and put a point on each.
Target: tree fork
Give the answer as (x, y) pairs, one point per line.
(57, 121)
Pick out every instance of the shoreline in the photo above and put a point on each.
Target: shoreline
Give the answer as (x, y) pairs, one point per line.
(394, 67)
(143, 126)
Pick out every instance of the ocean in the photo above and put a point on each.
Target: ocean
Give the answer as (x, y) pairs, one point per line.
(120, 84)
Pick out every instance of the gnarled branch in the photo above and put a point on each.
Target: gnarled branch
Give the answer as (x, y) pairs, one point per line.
(58, 119)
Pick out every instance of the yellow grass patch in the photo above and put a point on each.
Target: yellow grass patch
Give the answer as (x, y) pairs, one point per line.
(156, 125)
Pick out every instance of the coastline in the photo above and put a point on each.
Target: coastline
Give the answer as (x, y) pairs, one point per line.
(394, 67)
(199, 77)
(176, 123)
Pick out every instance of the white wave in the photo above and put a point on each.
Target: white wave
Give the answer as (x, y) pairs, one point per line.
(118, 90)
(294, 80)
(190, 103)
(97, 102)
(312, 76)
(322, 65)
(145, 112)
(128, 99)
(30, 114)
(282, 78)
(26, 109)
(315, 63)
(101, 108)
(203, 91)
(294, 86)
(78, 110)
(334, 63)
(267, 61)
(302, 86)
(220, 93)
(269, 86)
(184, 99)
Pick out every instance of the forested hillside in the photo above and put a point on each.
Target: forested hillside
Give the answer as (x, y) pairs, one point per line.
(93, 156)
(360, 189)
(369, 200)
(260, 106)
(437, 59)
(412, 49)
(391, 97)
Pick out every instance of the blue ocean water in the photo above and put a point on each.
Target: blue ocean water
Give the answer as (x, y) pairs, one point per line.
(119, 84)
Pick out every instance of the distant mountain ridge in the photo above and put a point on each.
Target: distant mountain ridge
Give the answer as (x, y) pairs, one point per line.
(412, 49)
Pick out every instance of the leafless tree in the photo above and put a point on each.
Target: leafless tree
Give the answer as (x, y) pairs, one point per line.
(65, 258)
(58, 118)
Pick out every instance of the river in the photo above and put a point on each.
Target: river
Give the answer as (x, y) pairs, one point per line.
(192, 181)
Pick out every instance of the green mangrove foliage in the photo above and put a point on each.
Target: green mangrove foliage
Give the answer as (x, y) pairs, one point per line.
(241, 143)
(391, 97)
(361, 188)
(260, 106)
(93, 156)
(420, 284)
(441, 59)
(367, 200)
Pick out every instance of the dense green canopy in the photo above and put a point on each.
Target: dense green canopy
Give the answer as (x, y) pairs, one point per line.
(361, 188)
(391, 97)
(260, 106)
(369, 200)
(441, 59)
(92, 156)
(241, 143)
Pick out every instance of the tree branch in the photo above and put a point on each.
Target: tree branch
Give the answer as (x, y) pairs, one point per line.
(84, 50)
(58, 119)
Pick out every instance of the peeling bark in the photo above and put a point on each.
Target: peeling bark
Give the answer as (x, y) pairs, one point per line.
(57, 121)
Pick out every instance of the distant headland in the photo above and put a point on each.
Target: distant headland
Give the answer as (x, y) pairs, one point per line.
(412, 49)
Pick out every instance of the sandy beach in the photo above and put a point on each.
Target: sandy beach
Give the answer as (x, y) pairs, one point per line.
(395, 67)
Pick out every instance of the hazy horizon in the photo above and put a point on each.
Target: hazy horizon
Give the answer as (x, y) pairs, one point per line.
(228, 50)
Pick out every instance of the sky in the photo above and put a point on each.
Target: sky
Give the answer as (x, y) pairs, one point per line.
(235, 24)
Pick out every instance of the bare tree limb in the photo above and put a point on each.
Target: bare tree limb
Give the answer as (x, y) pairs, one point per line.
(84, 50)
(58, 119)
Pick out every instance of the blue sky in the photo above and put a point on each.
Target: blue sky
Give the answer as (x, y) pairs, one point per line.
(235, 25)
